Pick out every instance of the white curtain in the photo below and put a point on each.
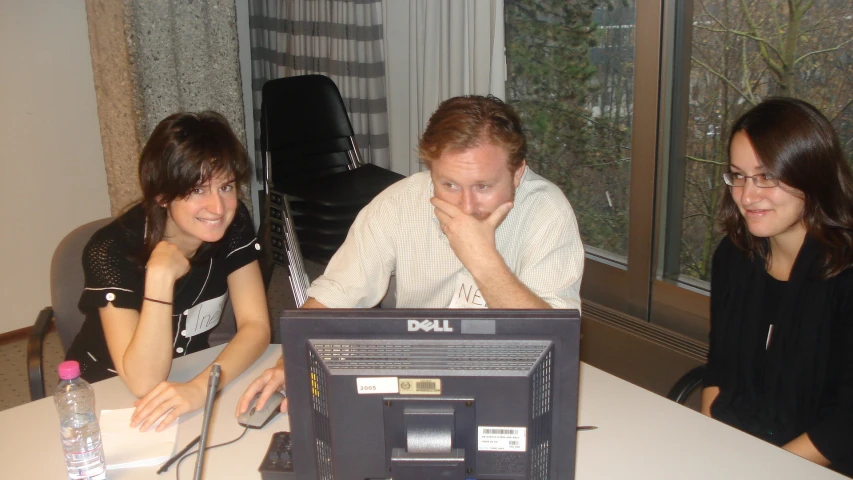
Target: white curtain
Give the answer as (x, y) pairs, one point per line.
(454, 47)
(342, 39)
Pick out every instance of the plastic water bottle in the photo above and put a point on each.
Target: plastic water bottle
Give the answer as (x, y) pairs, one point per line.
(81, 435)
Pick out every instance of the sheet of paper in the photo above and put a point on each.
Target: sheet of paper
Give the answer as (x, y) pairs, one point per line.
(126, 447)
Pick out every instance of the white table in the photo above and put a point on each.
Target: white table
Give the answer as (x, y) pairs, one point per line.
(640, 435)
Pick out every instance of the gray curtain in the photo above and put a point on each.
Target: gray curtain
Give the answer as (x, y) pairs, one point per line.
(342, 39)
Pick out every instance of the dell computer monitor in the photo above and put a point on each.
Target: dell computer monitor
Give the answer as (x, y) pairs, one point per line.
(432, 394)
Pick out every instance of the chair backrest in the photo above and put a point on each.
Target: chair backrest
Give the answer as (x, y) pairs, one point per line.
(66, 280)
(66, 285)
(305, 128)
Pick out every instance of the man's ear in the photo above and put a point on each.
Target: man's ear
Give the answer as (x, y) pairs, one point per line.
(519, 172)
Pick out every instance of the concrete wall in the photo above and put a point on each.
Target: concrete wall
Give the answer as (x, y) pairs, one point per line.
(152, 59)
(50, 146)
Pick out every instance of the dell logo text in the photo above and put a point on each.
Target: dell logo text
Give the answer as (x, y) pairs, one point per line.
(430, 325)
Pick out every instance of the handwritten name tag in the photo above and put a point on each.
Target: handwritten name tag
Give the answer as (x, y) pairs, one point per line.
(466, 294)
(204, 316)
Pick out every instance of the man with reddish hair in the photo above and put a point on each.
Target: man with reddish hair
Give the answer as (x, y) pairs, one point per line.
(479, 229)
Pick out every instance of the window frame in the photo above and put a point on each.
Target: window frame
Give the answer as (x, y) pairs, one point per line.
(649, 286)
(678, 302)
(604, 274)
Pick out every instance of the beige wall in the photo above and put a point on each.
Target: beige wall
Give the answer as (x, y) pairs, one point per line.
(50, 147)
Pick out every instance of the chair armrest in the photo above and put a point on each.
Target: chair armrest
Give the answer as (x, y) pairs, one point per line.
(686, 384)
(34, 353)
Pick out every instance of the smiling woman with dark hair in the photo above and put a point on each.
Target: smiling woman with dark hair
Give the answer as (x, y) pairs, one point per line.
(780, 364)
(158, 277)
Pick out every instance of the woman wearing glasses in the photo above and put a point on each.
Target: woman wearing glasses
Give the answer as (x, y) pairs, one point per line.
(780, 364)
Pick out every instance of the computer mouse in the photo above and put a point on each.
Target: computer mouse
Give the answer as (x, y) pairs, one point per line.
(257, 418)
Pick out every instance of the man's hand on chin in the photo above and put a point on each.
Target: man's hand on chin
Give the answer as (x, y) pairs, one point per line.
(472, 239)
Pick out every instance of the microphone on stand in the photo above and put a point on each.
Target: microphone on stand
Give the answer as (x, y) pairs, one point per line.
(212, 385)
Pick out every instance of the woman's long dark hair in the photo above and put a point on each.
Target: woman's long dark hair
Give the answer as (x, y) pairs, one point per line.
(184, 151)
(797, 144)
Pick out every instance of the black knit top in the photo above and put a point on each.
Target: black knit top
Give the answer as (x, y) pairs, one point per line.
(782, 352)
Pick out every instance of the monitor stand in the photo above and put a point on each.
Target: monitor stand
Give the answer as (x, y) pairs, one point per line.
(429, 452)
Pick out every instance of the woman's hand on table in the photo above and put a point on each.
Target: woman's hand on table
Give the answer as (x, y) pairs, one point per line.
(168, 401)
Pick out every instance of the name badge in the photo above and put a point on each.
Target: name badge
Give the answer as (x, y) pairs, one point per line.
(204, 316)
(466, 294)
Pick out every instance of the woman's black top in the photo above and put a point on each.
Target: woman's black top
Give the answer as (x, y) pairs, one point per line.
(114, 275)
(782, 352)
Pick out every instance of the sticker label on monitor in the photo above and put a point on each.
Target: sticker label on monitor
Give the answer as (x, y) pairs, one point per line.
(501, 439)
(371, 385)
(420, 386)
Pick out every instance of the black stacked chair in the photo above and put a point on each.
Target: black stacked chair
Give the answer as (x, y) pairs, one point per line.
(315, 180)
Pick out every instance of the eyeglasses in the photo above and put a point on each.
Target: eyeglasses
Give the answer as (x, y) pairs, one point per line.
(762, 180)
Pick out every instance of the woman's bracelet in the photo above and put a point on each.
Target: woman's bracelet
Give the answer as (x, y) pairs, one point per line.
(156, 301)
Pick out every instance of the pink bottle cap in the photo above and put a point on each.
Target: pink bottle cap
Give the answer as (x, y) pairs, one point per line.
(69, 370)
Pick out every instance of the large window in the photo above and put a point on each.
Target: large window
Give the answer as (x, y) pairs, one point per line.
(628, 105)
(584, 76)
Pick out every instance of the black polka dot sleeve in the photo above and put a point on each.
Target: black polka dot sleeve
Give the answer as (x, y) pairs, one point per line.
(111, 276)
